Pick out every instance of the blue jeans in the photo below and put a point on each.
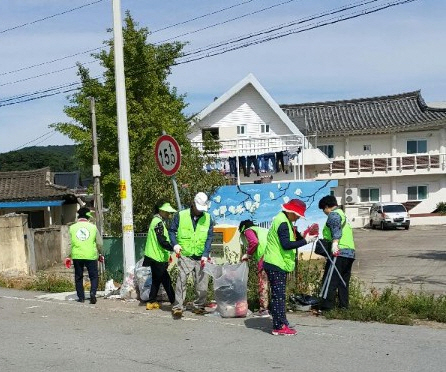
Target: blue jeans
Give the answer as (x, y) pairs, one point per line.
(92, 268)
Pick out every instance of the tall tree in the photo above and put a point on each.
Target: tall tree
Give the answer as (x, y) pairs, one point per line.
(152, 106)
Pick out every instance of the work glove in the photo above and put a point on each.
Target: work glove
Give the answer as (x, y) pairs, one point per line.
(203, 261)
(311, 230)
(335, 249)
(101, 258)
(68, 262)
(246, 257)
(311, 238)
(177, 249)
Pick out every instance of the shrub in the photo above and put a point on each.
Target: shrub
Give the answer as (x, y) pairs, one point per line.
(441, 208)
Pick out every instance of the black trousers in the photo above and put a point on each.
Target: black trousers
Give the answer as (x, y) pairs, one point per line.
(344, 266)
(160, 275)
(92, 268)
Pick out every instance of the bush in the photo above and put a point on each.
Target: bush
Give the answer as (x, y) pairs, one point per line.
(441, 208)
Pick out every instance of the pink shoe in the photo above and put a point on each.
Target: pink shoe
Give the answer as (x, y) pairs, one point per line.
(284, 331)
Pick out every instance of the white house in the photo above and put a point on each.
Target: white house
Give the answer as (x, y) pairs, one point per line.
(389, 148)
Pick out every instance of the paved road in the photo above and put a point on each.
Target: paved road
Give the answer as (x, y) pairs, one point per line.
(51, 335)
(413, 259)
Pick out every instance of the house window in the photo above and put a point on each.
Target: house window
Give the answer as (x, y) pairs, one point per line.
(241, 129)
(210, 133)
(369, 195)
(264, 128)
(367, 148)
(327, 150)
(417, 192)
(416, 146)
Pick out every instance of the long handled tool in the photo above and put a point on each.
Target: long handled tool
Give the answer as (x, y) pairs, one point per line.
(325, 285)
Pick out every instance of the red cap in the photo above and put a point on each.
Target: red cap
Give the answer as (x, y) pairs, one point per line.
(295, 206)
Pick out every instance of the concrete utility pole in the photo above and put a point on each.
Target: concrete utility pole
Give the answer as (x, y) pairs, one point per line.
(96, 171)
(123, 137)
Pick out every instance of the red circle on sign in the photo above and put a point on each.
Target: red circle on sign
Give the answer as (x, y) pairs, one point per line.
(167, 155)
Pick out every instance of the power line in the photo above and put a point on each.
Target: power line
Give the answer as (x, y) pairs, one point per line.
(281, 26)
(43, 135)
(227, 21)
(294, 31)
(45, 74)
(231, 44)
(49, 17)
(155, 31)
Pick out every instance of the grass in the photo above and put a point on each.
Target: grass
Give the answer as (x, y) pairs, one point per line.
(390, 305)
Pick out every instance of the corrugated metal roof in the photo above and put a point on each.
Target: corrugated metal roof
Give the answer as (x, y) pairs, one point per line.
(400, 112)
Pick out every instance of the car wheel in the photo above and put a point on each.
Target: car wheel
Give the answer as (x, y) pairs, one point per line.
(382, 225)
(372, 226)
(406, 227)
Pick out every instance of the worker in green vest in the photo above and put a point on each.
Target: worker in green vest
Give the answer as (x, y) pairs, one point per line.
(280, 259)
(86, 245)
(157, 254)
(191, 233)
(253, 239)
(339, 234)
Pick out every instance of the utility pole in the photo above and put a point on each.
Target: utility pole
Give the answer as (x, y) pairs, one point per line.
(96, 171)
(123, 139)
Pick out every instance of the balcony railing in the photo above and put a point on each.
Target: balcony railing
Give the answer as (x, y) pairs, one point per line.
(387, 164)
(253, 145)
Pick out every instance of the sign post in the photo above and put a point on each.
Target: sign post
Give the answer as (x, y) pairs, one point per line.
(168, 158)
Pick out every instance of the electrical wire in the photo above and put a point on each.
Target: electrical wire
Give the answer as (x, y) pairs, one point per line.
(49, 17)
(216, 50)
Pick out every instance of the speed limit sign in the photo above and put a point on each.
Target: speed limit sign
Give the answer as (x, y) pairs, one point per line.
(168, 155)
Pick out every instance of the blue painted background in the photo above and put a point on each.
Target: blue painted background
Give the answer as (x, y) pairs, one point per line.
(261, 202)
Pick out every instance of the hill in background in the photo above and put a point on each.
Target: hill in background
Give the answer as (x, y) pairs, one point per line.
(58, 158)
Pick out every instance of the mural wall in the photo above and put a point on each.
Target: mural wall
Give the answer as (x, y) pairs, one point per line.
(261, 202)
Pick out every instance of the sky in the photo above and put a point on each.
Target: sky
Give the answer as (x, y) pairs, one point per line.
(395, 50)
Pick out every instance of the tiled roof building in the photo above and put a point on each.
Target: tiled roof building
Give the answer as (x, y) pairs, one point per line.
(32, 185)
(385, 114)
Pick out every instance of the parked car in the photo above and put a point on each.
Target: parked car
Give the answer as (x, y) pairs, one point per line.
(386, 215)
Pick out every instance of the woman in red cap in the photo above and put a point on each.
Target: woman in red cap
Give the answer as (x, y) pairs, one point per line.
(280, 259)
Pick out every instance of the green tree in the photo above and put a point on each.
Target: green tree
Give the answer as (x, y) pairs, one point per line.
(153, 106)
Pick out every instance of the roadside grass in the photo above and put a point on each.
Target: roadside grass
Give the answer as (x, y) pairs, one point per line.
(391, 305)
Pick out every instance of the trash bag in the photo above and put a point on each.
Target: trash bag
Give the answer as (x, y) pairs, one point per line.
(143, 281)
(127, 290)
(230, 288)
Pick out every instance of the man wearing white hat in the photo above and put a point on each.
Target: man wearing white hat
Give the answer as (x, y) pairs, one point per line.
(191, 235)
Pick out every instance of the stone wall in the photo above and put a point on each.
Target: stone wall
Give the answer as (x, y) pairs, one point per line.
(14, 254)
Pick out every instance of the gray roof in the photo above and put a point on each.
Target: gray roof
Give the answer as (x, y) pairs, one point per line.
(32, 185)
(385, 114)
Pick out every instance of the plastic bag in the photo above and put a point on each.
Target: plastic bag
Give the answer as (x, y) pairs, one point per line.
(127, 290)
(230, 288)
(143, 281)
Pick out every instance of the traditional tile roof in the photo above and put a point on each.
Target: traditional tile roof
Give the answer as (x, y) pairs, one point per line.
(394, 113)
(31, 185)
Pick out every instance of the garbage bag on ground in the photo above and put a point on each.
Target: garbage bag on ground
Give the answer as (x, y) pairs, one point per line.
(230, 288)
(143, 281)
(127, 290)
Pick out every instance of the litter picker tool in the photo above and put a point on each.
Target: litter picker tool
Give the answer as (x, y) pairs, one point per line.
(324, 289)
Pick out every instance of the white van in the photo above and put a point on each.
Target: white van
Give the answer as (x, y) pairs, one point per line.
(385, 215)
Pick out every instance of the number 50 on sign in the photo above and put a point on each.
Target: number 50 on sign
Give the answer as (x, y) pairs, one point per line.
(167, 154)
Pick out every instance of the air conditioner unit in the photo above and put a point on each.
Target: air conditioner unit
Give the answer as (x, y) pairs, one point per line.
(351, 195)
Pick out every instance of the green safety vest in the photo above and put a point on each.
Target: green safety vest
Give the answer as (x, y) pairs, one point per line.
(153, 248)
(83, 241)
(192, 241)
(346, 241)
(274, 253)
(262, 236)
